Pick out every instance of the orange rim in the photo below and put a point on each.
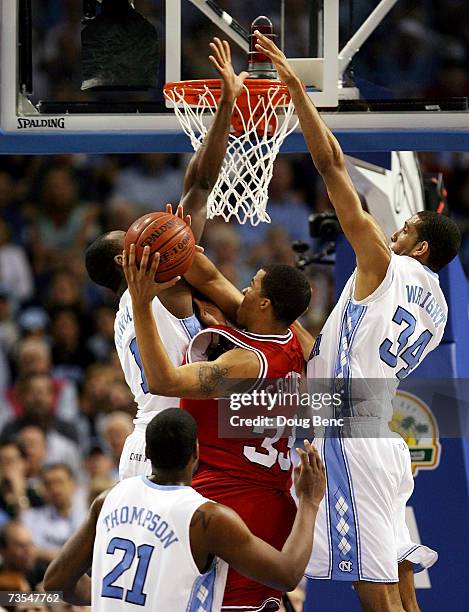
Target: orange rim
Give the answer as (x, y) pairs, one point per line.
(193, 90)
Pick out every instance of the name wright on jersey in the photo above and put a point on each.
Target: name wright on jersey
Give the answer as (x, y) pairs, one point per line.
(426, 300)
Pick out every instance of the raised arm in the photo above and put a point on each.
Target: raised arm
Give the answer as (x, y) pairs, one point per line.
(204, 276)
(228, 537)
(204, 167)
(67, 572)
(364, 234)
(197, 380)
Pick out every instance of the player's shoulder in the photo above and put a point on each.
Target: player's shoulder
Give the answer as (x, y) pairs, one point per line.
(213, 515)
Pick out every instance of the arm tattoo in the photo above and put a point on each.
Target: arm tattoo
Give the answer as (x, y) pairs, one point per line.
(210, 377)
(202, 517)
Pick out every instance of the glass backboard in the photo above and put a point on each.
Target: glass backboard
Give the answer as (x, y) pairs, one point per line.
(387, 74)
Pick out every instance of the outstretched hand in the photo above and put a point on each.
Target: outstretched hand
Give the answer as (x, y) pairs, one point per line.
(232, 83)
(309, 475)
(141, 281)
(285, 72)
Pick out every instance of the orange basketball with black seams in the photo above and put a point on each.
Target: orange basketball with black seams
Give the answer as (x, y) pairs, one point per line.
(165, 234)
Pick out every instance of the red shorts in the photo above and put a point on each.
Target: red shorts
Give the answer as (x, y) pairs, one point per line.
(269, 514)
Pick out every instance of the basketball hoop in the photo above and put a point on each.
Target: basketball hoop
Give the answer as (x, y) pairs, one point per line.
(262, 119)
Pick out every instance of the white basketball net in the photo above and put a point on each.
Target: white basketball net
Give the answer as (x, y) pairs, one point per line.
(241, 188)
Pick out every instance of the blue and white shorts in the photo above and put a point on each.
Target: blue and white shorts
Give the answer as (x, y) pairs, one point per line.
(360, 532)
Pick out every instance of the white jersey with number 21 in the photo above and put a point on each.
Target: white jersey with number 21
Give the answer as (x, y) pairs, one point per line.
(142, 557)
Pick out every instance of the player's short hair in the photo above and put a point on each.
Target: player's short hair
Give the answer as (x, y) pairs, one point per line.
(171, 439)
(443, 237)
(288, 290)
(100, 264)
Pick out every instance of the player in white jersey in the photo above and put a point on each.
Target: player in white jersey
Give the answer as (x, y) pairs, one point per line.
(172, 309)
(390, 315)
(156, 543)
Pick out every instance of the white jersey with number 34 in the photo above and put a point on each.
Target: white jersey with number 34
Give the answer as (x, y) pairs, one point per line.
(384, 336)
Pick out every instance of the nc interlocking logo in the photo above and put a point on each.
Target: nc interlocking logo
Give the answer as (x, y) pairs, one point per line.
(346, 566)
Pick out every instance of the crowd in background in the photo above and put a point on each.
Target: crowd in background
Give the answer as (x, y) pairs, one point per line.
(65, 409)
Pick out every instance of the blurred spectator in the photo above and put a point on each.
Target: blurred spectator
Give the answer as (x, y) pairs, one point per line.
(98, 464)
(94, 400)
(65, 291)
(36, 396)
(115, 428)
(33, 356)
(33, 322)
(70, 354)
(33, 443)
(63, 224)
(149, 183)
(54, 523)
(19, 554)
(10, 211)
(227, 255)
(274, 249)
(101, 343)
(15, 272)
(9, 332)
(15, 494)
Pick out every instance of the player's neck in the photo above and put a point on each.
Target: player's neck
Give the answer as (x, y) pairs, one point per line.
(267, 327)
(167, 478)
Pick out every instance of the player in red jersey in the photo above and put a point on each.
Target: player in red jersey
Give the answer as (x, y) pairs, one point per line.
(251, 476)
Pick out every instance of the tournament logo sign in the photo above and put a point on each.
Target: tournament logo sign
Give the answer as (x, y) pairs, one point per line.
(414, 421)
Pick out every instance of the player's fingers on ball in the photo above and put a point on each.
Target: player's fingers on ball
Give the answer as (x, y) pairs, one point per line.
(169, 208)
(132, 255)
(170, 283)
(155, 262)
(199, 249)
(144, 260)
(188, 220)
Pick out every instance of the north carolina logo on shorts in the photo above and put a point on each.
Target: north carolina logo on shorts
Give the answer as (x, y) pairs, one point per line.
(414, 421)
(346, 566)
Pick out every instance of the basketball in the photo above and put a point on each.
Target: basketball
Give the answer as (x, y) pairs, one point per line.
(165, 234)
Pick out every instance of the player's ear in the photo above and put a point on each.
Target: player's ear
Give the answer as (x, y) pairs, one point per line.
(421, 249)
(118, 260)
(196, 454)
(265, 303)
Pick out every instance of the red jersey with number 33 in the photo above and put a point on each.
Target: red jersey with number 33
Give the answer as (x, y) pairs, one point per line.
(265, 461)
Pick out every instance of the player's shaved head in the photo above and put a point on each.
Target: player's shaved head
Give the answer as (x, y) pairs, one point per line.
(171, 439)
(100, 260)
